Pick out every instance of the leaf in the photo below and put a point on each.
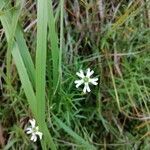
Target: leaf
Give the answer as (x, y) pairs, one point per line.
(79, 139)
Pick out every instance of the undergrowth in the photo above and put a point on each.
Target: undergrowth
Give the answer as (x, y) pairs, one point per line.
(44, 43)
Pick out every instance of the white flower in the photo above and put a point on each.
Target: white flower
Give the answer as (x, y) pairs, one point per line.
(34, 131)
(86, 79)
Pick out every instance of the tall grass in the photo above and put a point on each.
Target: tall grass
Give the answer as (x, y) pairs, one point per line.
(42, 19)
(25, 66)
(109, 37)
(55, 51)
(33, 79)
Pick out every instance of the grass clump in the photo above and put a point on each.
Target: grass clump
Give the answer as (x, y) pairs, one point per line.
(44, 43)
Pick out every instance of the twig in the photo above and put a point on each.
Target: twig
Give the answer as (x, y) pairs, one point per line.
(101, 10)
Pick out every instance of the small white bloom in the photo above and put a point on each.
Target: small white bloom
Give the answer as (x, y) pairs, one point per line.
(34, 131)
(86, 79)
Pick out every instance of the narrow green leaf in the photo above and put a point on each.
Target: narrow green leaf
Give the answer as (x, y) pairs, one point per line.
(16, 51)
(6, 20)
(41, 56)
(25, 54)
(41, 49)
(61, 37)
(73, 134)
(24, 78)
(54, 47)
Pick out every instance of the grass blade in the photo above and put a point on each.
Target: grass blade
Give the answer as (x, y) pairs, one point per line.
(6, 19)
(61, 37)
(54, 47)
(73, 134)
(41, 68)
(24, 78)
(41, 57)
(21, 67)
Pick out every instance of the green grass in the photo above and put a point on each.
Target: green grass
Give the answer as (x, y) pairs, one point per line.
(39, 60)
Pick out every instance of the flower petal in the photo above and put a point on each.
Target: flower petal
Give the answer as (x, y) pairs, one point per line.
(87, 87)
(40, 134)
(78, 83)
(89, 73)
(80, 74)
(84, 89)
(33, 138)
(29, 130)
(32, 122)
(93, 81)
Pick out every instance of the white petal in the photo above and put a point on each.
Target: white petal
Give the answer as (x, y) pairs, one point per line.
(87, 87)
(33, 138)
(29, 130)
(80, 74)
(40, 134)
(84, 89)
(93, 81)
(89, 73)
(32, 122)
(78, 83)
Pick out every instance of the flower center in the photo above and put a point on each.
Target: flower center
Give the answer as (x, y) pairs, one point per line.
(34, 129)
(86, 79)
